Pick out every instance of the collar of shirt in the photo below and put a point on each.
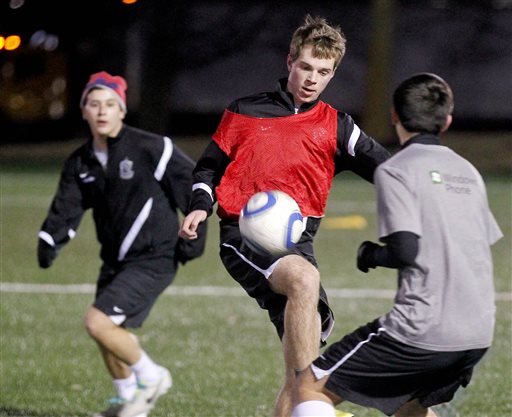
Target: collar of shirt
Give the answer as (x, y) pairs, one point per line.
(111, 141)
(424, 139)
(287, 97)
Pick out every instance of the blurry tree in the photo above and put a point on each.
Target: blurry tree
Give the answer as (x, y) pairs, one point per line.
(376, 119)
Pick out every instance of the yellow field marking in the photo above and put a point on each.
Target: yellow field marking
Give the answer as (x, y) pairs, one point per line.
(355, 221)
(340, 413)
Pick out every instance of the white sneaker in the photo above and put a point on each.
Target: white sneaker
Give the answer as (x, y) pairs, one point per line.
(146, 396)
(115, 405)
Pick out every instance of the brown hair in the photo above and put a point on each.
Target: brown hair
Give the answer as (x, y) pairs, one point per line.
(327, 41)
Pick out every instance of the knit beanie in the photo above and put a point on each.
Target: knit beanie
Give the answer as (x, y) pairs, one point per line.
(104, 80)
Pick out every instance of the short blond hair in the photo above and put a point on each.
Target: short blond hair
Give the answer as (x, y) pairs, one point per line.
(327, 41)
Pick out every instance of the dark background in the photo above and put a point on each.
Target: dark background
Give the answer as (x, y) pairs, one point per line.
(186, 60)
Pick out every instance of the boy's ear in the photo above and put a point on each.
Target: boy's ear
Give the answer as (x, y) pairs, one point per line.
(394, 117)
(448, 122)
(289, 62)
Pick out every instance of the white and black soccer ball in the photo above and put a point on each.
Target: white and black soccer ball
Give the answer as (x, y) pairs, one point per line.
(271, 221)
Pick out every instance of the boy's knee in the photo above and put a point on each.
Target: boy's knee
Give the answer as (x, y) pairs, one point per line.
(96, 321)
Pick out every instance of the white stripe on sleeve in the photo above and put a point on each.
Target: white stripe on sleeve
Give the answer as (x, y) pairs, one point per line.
(164, 159)
(353, 140)
(203, 186)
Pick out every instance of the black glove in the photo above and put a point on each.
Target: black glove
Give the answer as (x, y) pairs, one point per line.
(365, 256)
(46, 253)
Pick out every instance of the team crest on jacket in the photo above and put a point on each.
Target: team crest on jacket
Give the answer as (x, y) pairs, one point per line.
(126, 169)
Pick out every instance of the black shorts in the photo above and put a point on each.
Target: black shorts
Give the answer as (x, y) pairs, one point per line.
(251, 270)
(370, 368)
(126, 294)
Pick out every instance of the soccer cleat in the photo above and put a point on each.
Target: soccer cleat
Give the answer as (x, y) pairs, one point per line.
(115, 404)
(146, 396)
(339, 413)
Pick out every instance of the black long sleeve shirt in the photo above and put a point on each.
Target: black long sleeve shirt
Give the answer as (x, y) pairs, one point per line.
(134, 200)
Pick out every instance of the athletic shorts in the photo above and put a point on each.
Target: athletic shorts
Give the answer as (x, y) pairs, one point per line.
(370, 368)
(126, 294)
(251, 270)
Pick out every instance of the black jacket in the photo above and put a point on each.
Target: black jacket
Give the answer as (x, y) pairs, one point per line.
(134, 201)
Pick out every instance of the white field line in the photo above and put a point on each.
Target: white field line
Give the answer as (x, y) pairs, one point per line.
(204, 290)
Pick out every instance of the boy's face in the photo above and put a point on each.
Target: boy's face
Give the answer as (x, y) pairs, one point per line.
(103, 113)
(308, 76)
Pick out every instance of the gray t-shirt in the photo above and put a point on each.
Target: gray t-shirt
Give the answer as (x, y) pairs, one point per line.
(446, 301)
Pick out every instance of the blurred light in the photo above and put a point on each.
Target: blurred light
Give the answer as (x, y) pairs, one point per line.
(37, 38)
(128, 1)
(51, 43)
(56, 109)
(58, 85)
(2, 42)
(16, 4)
(16, 102)
(12, 42)
(42, 39)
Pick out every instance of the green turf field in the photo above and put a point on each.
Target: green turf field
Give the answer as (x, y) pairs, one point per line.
(221, 348)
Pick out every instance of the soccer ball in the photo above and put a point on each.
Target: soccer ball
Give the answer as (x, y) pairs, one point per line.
(271, 221)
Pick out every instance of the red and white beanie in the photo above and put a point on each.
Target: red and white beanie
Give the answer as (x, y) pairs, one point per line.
(104, 80)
